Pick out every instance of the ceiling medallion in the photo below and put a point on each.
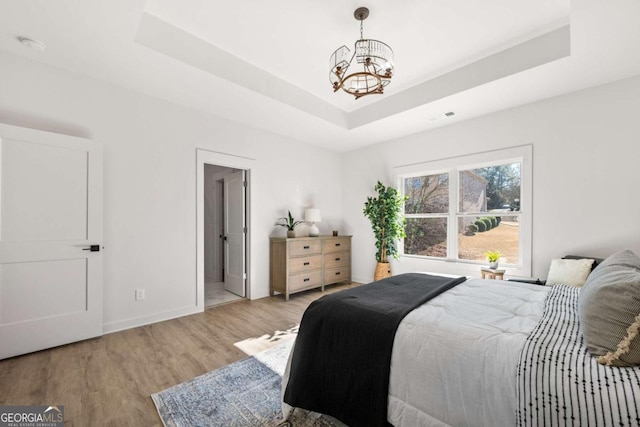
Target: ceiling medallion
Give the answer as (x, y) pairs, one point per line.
(375, 57)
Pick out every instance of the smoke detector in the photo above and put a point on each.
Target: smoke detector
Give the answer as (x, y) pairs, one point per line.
(32, 44)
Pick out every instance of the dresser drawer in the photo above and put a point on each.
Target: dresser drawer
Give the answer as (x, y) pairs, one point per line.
(305, 280)
(312, 262)
(337, 259)
(338, 274)
(305, 247)
(337, 245)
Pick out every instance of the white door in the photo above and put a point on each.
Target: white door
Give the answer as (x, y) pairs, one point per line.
(50, 215)
(234, 233)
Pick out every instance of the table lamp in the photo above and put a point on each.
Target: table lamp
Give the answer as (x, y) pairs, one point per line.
(313, 216)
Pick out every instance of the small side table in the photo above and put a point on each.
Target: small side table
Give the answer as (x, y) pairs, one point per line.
(492, 273)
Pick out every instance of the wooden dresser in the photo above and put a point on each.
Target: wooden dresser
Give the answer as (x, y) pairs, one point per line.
(301, 263)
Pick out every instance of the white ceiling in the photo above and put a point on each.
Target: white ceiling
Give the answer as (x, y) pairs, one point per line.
(265, 64)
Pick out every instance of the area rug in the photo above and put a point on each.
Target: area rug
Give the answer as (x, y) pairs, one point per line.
(245, 393)
(255, 345)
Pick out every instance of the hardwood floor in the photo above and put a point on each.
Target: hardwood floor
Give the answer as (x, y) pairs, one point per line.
(108, 381)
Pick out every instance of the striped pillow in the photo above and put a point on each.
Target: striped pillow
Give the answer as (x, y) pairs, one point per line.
(609, 310)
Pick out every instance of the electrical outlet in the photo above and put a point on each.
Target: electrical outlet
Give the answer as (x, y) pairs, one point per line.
(139, 294)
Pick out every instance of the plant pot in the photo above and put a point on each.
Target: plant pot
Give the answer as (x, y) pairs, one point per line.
(383, 270)
(291, 233)
(493, 265)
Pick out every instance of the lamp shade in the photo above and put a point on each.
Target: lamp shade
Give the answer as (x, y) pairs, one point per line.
(312, 215)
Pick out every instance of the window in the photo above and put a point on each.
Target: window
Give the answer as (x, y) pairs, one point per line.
(427, 211)
(458, 209)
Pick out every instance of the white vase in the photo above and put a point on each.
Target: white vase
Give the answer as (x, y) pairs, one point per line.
(493, 265)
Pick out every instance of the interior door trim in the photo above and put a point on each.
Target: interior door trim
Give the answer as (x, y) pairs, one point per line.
(203, 157)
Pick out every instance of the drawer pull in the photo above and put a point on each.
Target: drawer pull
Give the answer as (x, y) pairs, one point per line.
(337, 244)
(307, 279)
(306, 263)
(305, 247)
(337, 273)
(337, 259)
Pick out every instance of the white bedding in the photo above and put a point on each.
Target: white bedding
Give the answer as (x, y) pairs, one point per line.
(454, 358)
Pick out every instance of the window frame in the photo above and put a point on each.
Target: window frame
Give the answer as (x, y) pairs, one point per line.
(453, 166)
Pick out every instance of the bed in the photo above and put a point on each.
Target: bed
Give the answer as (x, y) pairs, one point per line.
(494, 353)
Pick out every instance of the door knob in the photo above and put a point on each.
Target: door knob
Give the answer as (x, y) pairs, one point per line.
(92, 248)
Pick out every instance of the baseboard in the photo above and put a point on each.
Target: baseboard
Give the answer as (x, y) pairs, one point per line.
(259, 295)
(111, 327)
(362, 279)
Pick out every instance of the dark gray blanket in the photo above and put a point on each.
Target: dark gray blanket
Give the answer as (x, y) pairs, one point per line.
(342, 356)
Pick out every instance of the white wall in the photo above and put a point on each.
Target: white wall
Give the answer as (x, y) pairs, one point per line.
(586, 173)
(150, 179)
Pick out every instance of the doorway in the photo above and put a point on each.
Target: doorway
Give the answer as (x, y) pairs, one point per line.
(223, 231)
(224, 228)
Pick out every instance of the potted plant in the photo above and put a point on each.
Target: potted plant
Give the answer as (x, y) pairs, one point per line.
(289, 223)
(493, 257)
(387, 222)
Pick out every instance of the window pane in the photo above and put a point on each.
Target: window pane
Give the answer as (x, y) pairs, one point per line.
(490, 189)
(477, 235)
(426, 236)
(427, 194)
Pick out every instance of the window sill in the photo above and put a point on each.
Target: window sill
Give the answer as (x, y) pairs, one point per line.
(409, 263)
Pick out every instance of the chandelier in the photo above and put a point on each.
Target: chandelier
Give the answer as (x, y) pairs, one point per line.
(373, 67)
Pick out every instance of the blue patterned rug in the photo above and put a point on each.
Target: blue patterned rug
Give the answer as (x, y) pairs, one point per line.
(245, 393)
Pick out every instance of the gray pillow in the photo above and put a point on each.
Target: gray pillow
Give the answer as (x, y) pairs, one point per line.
(609, 310)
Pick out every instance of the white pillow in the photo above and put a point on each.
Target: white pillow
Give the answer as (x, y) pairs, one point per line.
(572, 272)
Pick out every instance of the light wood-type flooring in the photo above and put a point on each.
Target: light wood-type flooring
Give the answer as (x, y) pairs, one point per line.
(108, 381)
